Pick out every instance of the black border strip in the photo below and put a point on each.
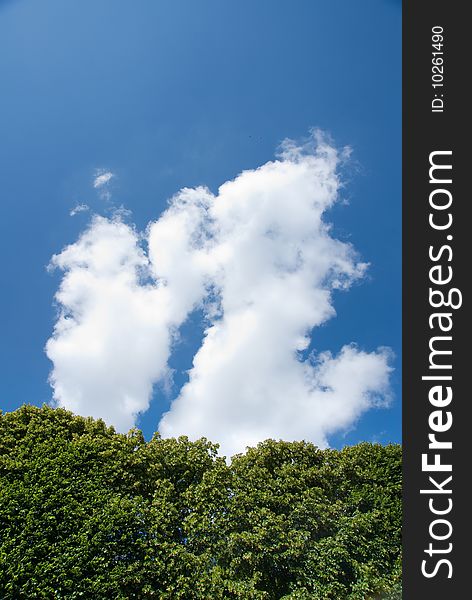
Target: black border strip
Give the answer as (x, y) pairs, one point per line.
(425, 132)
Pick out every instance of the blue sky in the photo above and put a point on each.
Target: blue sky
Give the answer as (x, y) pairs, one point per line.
(174, 94)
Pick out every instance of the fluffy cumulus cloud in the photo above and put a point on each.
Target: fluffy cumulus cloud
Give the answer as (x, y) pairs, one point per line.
(110, 342)
(261, 262)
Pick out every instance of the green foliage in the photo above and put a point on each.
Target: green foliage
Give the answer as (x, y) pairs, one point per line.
(89, 513)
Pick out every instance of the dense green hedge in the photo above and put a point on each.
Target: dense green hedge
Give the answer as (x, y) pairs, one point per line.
(89, 513)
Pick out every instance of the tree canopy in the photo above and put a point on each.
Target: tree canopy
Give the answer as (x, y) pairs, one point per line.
(86, 512)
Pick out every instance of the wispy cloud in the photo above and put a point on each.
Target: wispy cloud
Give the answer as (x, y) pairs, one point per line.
(102, 178)
(101, 183)
(78, 209)
(260, 260)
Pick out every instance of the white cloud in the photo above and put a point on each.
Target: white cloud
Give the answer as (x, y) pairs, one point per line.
(101, 183)
(262, 262)
(111, 340)
(78, 209)
(102, 177)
